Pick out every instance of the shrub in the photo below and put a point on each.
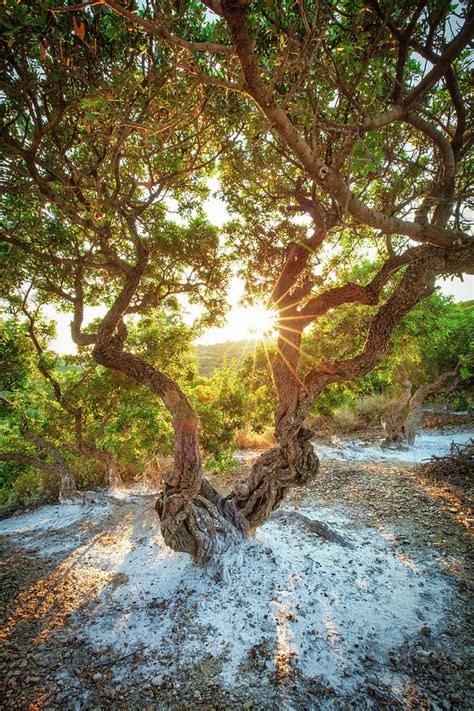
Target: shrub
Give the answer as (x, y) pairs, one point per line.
(31, 487)
(247, 438)
(346, 418)
(370, 408)
(221, 462)
(88, 473)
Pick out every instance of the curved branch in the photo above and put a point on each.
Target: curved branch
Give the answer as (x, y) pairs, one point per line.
(441, 193)
(417, 283)
(162, 31)
(422, 392)
(27, 459)
(354, 293)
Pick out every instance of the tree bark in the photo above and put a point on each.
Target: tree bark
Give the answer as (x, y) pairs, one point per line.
(394, 417)
(195, 519)
(293, 462)
(67, 484)
(113, 474)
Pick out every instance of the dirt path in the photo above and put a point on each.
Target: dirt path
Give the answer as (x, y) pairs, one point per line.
(98, 613)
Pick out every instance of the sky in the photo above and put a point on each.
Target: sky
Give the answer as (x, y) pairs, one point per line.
(242, 323)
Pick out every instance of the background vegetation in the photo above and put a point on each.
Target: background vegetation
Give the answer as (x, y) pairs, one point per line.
(229, 384)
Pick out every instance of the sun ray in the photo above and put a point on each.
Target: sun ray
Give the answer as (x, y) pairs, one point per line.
(297, 317)
(254, 365)
(263, 321)
(288, 328)
(298, 349)
(270, 369)
(290, 368)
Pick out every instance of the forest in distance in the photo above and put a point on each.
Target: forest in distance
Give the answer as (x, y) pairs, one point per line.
(241, 478)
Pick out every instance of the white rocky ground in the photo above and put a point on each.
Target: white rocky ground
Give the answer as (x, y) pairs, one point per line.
(296, 622)
(427, 444)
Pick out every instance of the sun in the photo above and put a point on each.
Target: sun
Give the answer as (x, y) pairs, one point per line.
(261, 322)
(244, 323)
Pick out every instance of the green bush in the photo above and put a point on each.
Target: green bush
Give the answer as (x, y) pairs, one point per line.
(346, 418)
(370, 407)
(359, 413)
(31, 487)
(88, 473)
(223, 462)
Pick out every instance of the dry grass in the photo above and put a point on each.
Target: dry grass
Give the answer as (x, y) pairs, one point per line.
(249, 439)
(360, 414)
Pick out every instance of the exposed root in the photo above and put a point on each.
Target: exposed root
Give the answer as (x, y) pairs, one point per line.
(206, 527)
(311, 526)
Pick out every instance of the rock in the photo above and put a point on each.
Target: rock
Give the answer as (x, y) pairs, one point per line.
(97, 676)
(425, 631)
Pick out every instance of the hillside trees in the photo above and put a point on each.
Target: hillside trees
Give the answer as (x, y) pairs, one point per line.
(401, 419)
(30, 434)
(369, 152)
(343, 127)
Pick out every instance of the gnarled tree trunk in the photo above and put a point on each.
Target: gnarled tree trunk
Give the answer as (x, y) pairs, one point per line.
(293, 461)
(401, 421)
(395, 415)
(67, 483)
(112, 468)
(194, 518)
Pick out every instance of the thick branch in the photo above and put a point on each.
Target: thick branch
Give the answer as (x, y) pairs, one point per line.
(354, 293)
(416, 284)
(422, 392)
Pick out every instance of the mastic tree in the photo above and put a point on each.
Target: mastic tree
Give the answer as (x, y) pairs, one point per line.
(344, 126)
(357, 121)
(31, 433)
(431, 339)
(402, 418)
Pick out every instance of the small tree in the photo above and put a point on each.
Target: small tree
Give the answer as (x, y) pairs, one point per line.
(26, 435)
(401, 419)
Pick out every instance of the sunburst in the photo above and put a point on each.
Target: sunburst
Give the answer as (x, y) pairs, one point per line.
(262, 322)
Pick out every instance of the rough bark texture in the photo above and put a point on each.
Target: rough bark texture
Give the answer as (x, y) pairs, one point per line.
(67, 484)
(394, 417)
(292, 463)
(195, 519)
(113, 473)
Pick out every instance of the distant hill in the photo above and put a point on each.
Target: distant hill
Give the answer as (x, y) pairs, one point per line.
(212, 356)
